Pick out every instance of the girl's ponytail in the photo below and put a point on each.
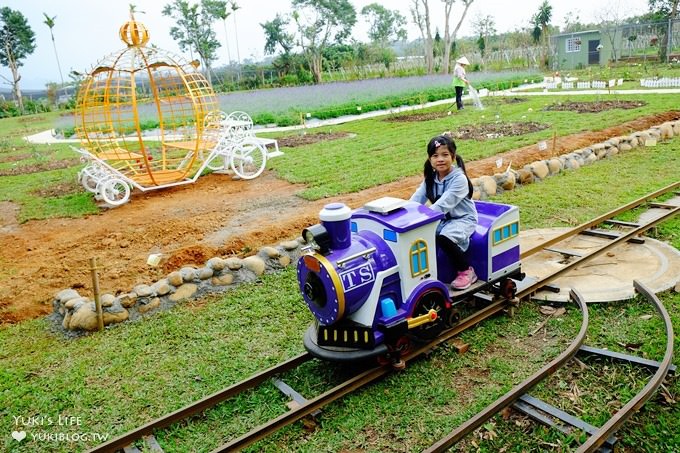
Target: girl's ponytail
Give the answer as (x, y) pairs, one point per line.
(428, 173)
(461, 164)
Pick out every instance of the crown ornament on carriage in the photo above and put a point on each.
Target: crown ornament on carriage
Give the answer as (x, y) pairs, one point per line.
(133, 33)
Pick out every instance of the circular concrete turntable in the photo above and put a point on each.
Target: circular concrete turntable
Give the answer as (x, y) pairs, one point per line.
(606, 278)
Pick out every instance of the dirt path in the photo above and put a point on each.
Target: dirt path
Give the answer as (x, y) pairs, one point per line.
(190, 224)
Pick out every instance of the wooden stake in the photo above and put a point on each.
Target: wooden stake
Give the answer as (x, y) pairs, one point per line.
(95, 287)
(460, 345)
(554, 142)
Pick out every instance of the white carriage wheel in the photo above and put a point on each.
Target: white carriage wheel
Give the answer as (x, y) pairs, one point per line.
(92, 176)
(87, 178)
(248, 159)
(115, 191)
(100, 179)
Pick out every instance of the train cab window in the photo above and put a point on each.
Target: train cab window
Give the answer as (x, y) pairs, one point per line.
(505, 232)
(419, 264)
(390, 235)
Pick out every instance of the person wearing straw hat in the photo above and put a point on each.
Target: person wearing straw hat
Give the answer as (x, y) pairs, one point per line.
(460, 80)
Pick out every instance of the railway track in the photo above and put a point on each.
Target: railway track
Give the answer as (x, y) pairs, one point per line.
(629, 231)
(125, 441)
(599, 436)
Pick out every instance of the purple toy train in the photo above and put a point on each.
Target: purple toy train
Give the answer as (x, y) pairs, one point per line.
(375, 281)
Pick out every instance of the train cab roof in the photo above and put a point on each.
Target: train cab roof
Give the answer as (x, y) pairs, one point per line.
(397, 214)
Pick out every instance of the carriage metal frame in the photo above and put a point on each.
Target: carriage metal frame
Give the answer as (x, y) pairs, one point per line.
(228, 141)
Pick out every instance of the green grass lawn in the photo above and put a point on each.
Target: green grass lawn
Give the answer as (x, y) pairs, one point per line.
(380, 152)
(376, 153)
(134, 372)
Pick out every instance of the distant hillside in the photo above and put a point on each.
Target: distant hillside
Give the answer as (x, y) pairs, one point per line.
(7, 93)
(32, 93)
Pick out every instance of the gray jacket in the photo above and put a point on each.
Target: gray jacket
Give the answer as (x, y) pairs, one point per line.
(461, 214)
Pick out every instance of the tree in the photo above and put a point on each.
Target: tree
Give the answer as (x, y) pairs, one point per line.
(17, 41)
(484, 27)
(541, 23)
(449, 37)
(49, 21)
(320, 23)
(437, 45)
(385, 25)
(220, 10)
(193, 31)
(234, 8)
(664, 9)
(276, 35)
(611, 17)
(573, 24)
(420, 12)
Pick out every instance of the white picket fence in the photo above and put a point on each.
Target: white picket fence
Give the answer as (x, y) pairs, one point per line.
(595, 84)
(664, 82)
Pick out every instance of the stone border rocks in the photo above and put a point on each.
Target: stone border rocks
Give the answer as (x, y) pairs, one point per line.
(76, 314)
(488, 186)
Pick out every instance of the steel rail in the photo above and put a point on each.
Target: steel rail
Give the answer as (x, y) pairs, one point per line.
(672, 211)
(598, 220)
(614, 423)
(201, 405)
(520, 389)
(373, 374)
(354, 383)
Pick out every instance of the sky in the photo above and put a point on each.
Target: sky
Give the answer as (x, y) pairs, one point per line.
(85, 31)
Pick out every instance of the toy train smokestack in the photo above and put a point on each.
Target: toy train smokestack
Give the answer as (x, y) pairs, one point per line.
(335, 218)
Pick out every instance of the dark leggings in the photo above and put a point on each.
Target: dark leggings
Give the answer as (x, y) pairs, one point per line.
(455, 254)
(459, 97)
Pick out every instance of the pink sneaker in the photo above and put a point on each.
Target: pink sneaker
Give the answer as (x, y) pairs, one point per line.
(464, 279)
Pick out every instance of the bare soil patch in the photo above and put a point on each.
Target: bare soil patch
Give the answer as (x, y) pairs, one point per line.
(487, 131)
(310, 138)
(36, 168)
(594, 107)
(512, 100)
(494, 100)
(15, 157)
(413, 117)
(216, 216)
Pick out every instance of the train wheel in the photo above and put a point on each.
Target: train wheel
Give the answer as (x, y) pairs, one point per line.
(396, 351)
(433, 300)
(452, 318)
(508, 288)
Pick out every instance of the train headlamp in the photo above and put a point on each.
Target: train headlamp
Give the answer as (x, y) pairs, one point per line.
(318, 237)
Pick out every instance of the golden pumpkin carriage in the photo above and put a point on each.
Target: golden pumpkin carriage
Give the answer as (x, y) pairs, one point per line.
(147, 119)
